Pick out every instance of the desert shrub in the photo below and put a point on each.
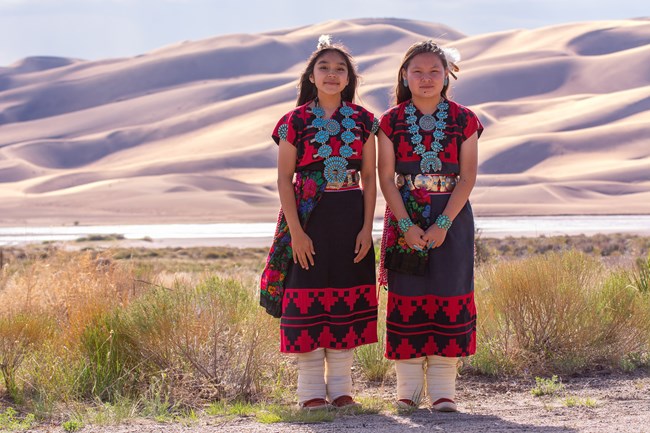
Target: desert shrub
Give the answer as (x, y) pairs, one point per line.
(544, 386)
(117, 328)
(11, 421)
(49, 299)
(600, 245)
(72, 288)
(20, 333)
(110, 369)
(557, 312)
(211, 339)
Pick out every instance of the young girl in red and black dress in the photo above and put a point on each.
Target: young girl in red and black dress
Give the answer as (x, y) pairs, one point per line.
(427, 168)
(320, 273)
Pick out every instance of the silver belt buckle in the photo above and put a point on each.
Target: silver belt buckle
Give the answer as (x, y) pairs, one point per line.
(334, 185)
(423, 181)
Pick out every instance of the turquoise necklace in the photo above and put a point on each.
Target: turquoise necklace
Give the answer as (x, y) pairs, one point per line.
(430, 160)
(335, 166)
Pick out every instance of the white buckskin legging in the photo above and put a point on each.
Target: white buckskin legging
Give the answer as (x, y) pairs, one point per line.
(440, 375)
(324, 373)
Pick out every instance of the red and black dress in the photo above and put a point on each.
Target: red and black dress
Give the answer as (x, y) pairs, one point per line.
(334, 303)
(434, 313)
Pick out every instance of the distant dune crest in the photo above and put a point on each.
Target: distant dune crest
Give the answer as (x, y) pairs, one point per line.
(183, 133)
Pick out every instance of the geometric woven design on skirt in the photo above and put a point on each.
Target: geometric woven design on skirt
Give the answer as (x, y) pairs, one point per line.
(332, 318)
(419, 326)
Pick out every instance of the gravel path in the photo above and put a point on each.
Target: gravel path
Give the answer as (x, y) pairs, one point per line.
(622, 404)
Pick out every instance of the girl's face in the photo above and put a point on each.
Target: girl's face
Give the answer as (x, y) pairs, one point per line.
(425, 75)
(330, 73)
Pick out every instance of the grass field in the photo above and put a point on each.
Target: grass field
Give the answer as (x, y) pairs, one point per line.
(100, 335)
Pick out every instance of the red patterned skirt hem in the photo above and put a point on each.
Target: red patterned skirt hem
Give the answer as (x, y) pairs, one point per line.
(428, 325)
(333, 318)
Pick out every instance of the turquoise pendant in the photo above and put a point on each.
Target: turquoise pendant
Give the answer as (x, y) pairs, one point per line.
(325, 151)
(348, 123)
(335, 169)
(430, 162)
(283, 131)
(348, 137)
(332, 127)
(347, 111)
(346, 151)
(322, 137)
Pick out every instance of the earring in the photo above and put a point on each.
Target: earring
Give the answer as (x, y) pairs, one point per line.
(405, 82)
(446, 81)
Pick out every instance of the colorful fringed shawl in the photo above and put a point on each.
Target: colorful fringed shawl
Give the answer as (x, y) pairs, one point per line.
(308, 189)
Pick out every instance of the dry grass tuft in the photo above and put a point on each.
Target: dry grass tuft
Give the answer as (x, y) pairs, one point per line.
(559, 312)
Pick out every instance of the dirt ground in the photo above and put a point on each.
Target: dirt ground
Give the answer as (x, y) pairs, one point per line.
(622, 404)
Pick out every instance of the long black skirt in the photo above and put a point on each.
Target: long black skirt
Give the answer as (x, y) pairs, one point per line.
(334, 303)
(435, 314)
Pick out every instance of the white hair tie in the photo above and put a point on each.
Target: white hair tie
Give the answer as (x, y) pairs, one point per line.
(452, 55)
(324, 41)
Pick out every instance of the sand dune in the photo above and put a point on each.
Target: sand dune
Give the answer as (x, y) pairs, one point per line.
(182, 133)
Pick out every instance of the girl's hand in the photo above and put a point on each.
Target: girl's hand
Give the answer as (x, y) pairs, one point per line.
(434, 236)
(363, 244)
(303, 249)
(413, 238)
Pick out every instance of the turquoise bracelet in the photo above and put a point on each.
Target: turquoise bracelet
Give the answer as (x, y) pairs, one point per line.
(443, 221)
(405, 224)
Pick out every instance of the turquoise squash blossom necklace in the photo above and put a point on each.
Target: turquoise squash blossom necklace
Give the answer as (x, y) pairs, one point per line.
(335, 166)
(430, 160)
